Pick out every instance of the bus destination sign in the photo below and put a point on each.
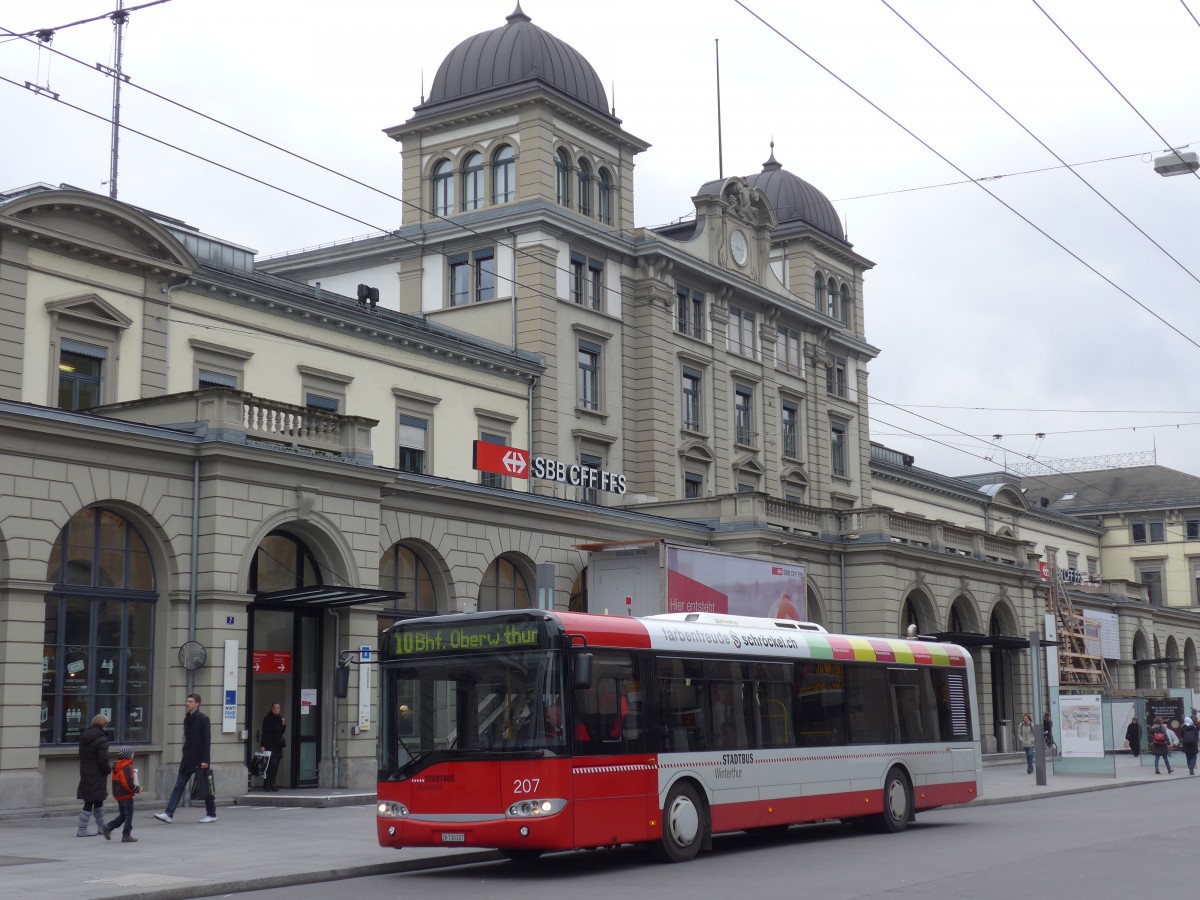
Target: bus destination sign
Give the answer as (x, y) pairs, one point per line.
(467, 637)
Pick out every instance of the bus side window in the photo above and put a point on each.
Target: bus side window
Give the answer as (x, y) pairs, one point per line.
(609, 714)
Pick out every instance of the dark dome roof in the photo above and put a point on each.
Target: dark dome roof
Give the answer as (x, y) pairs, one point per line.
(514, 53)
(794, 199)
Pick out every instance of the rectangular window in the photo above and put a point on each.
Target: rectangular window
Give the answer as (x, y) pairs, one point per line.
(97, 657)
(208, 379)
(820, 707)
(787, 351)
(578, 265)
(414, 432)
(835, 377)
(472, 277)
(693, 485)
(1073, 561)
(790, 421)
(743, 418)
(1148, 532)
(1093, 565)
(595, 285)
(491, 479)
(837, 448)
(1152, 578)
(588, 383)
(742, 332)
(689, 312)
(1193, 529)
(588, 492)
(80, 375)
(321, 402)
(692, 382)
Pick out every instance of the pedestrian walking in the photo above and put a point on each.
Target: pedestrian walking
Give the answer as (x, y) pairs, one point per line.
(1160, 745)
(124, 786)
(197, 745)
(271, 739)
(1025, 739)
(93, 775)
(1133, 734)
(1189, 743)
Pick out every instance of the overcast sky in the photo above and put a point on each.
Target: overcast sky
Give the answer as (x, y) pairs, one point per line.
(985, 326)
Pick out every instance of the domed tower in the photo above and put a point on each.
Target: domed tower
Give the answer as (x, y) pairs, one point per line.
(516, 114)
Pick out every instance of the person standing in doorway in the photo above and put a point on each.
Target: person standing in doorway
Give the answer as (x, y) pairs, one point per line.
(197, 744)
(1025, 738)
(271, 738)
(93, 775)
(1133, 734)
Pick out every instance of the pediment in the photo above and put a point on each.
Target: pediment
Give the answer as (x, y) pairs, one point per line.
(90, 308)
(696, 449)
(748, 463)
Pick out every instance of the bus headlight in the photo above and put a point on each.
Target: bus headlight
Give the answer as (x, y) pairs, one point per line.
(390, 809)
(533, 809)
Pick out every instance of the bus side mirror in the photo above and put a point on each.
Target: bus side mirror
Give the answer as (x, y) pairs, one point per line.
(583, 672)
(341, 682)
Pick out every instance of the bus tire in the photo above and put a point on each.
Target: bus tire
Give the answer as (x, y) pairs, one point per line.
(684, 824)
(897, 802)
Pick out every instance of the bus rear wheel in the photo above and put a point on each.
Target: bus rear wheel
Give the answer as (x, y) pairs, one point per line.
(684, 824)
(897, 802)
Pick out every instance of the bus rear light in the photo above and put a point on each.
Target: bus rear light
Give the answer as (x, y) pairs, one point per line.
(390, 809)
(533, 809)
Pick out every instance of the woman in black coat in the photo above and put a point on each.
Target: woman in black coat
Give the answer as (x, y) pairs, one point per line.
(93, 775)
(271, 738)
(1133, 734)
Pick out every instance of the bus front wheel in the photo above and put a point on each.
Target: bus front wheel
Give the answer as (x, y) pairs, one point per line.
(897, 802)
(684, 824)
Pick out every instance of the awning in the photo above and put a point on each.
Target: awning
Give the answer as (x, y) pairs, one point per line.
(328, 596)
(973, 639)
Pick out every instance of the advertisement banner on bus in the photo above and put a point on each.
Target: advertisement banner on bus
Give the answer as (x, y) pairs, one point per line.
(701, 581)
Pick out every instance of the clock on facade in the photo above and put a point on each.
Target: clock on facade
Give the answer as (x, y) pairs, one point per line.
(738, 247)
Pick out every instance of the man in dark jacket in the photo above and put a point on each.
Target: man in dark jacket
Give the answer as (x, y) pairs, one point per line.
(196, 746)
(93, 775)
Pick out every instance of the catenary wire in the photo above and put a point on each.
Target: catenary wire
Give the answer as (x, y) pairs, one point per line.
(1040, 142)
(962, 172)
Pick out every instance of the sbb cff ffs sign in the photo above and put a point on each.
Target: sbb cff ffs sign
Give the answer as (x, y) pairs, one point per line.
(500, 460)
(513, 462)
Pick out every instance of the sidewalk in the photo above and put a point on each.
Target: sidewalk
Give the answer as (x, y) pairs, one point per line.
(260, 847)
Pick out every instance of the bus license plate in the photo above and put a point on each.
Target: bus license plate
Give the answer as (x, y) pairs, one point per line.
(454, 837)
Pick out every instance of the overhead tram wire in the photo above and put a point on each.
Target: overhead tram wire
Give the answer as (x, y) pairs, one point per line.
(1108, 80)
(1079, 259)
(112, 12)
(1190, 13)
(1041, 143)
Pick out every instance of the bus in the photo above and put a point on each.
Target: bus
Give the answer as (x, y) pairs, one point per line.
(532, 730)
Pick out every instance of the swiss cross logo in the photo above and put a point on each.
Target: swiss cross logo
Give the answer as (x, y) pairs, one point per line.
(501, 460)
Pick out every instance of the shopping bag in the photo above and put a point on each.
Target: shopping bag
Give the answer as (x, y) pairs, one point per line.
(259, 763)
(204, 786)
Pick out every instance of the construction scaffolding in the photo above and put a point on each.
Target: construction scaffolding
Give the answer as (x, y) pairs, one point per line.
(1081, 665)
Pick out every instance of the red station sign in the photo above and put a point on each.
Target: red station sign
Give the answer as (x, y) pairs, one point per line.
(511, 462)
(272, 662)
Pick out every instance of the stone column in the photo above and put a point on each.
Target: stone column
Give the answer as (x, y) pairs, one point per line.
(22, 627)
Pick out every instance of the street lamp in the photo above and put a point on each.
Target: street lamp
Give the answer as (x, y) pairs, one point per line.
(1177, 163)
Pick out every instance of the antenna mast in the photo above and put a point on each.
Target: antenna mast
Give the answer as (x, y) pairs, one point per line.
(720, 149)
(119, 18)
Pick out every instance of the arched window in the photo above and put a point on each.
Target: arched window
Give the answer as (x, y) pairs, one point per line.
(562, 178)
(400, 569)
(504, 175)
(585, 188)
(818, 289)
(844, 310)
(604, 197)
(472, 174)
(503, 587)
(283, 563)
(97, 655)
(831, 299)
(443, 188)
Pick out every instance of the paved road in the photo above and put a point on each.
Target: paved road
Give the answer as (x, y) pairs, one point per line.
(254, 847)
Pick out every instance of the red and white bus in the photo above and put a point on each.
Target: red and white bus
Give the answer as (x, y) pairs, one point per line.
(531, 730)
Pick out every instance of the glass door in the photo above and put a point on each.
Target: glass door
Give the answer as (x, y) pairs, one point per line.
(308, 718)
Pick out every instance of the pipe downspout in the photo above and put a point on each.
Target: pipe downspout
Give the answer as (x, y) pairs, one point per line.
(194, 576)
(337, 649)
(842, 567)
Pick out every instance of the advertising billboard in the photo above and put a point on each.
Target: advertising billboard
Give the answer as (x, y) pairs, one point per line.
(701, 581)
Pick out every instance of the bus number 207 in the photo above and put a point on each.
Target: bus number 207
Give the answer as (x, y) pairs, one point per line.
(525, 785)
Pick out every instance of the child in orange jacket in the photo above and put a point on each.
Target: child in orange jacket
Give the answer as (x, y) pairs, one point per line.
(123, 790)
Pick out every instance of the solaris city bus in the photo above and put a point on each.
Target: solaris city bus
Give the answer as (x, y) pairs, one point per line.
(532, 730)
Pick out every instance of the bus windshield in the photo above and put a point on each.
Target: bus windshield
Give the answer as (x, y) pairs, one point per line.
(477, 706)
